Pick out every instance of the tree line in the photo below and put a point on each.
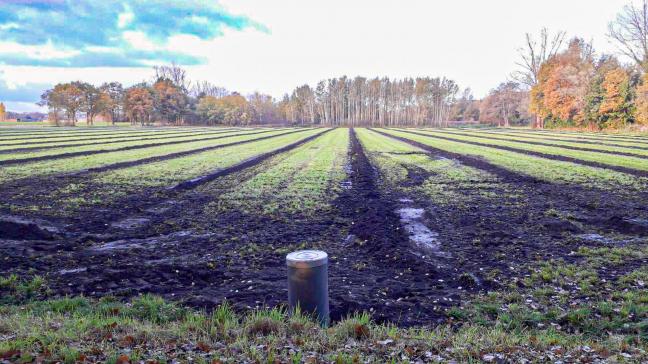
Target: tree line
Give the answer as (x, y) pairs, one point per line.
(559, 83)
(172, 99)
(567, 84)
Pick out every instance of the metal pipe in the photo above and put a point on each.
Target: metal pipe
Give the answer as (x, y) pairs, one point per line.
(308, 283)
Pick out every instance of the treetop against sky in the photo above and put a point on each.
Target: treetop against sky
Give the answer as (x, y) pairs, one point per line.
(274, 46)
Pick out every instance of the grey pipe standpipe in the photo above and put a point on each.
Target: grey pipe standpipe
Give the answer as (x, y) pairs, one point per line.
(308, 283)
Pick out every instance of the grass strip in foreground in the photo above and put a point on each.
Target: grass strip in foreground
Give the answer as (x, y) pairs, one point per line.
(148, 328)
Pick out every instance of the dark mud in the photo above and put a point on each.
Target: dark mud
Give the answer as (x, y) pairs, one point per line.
(131, 147)
(105, 140)
(571, 140)
(605, 210)
(189, 245)
(547, 144)
(61, 136)
(634, 172)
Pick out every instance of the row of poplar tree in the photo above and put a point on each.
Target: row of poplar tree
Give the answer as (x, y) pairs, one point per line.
(172, 98)
(559, 83)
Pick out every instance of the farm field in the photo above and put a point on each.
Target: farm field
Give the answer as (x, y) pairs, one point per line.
(486, 237)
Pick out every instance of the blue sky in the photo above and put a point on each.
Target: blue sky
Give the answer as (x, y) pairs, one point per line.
(96, 33)
(275, 45)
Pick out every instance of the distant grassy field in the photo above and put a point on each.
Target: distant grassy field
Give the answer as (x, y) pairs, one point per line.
(457, 244)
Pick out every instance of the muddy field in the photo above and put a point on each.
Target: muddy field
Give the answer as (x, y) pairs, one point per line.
(415, 222)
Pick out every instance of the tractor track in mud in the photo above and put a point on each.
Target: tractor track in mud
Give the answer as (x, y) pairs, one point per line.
(631, 171)
(63, 135)
(102, 141)
(544, 144)
(602, 137)
(396, 284)
(592, 208)
(122, 149)
(105, 258)
(549, 139)
(185, 254)
(480, 164)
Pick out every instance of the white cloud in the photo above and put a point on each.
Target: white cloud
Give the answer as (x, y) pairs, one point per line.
(46, 51)
(471, 41)
(139, 40)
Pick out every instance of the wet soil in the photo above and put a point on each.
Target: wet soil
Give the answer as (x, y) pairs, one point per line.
(634, 172)
(396, 254)
(33, 146)
(547, 143)
(131, 147)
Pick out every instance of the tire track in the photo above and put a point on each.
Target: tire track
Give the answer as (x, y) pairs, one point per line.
(620, 216)
(87, 134)
(121, 165)
(631, 171)
(192, 183)
(122, 138)
(533, 142)
(131, 147)
(501, 172)
(571, 140)
(136, 138)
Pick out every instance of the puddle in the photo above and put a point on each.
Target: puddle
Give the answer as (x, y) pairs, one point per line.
(346, 185)
(597, 238)
(72, 271)
(424, 238)
(131, 223)
(147, 243)
(162, 208)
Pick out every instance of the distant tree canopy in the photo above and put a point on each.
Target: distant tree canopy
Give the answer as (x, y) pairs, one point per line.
(557, 84)
(172, 99)
(3, 112)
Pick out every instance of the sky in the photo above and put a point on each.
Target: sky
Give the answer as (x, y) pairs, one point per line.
(273, 46)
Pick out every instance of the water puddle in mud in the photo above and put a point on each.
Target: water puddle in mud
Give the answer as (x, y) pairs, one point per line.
(347, 184)
(131, 223)
(596, 238)
(425, 239)
(72, 271)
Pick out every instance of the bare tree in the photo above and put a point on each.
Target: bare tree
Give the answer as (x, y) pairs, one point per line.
(175, 74)
(630, 32)
(535, 53)
(206, 88)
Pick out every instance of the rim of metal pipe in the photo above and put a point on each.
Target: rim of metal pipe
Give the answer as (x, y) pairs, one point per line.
(306, 258)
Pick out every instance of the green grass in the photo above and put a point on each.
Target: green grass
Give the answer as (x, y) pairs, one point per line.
(148, 328)
(541, 168)
(603, 158)
(625, 139)
(95, 145)
(524, 138)
(107, 187)
(62, 140)
(45, 168)
(303, 181)
(75, 136)
(445, 179)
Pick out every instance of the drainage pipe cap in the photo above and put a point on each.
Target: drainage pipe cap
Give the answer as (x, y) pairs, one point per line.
(306, 258)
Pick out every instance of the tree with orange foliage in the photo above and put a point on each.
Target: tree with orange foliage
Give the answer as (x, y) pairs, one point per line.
(616, 108)
(170, 101)
(563, 83)
(139, 105)
(3, 112)
(641, 102)
(233, 109)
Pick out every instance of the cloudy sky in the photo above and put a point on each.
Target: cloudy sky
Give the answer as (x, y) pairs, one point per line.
(274, 45)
